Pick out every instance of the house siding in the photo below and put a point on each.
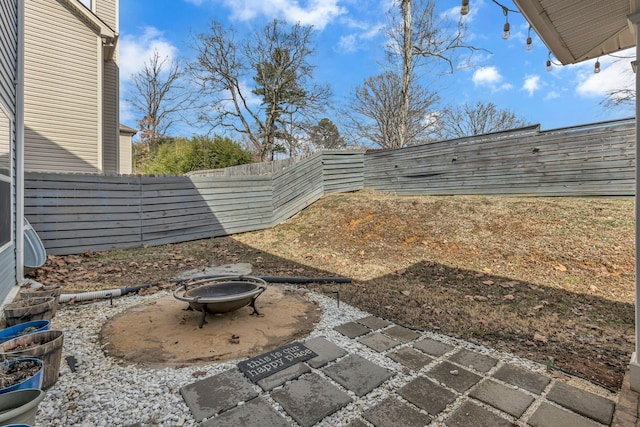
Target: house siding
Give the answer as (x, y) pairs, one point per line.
(107, 11)
(62, 89)
(8, 63)
(125, 159)
(110, 124)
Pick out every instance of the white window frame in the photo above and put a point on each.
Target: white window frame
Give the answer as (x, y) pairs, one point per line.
(9, 178)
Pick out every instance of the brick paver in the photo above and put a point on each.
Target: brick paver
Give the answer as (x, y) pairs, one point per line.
(254, 413)
(374, 322)
(507, 399)
(433, 347)
(326, 351)
(401, 333)
(357, 374)
(393, 413)
(310, 398)
(519, 377)
(548, 415)
(469, 414)
(218, 393)
(427, 395)
(378, 342)
(453, 376)
(412, 359)
(474, 360)
(583, 402)
(352, 329)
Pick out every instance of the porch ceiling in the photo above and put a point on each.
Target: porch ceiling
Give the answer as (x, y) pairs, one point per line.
(577, 30)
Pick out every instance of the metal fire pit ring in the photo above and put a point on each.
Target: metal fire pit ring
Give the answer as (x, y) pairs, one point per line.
(221, 294)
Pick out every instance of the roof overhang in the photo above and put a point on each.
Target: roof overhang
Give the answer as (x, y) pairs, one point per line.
(577, 30)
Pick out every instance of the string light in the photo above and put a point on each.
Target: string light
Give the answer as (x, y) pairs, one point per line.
(596, 68)
(464, 9)
(550, 62)
(529, 40)
(507, 28)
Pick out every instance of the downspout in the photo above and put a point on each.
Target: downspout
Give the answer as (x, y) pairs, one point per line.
(19, 174)
(634, 367)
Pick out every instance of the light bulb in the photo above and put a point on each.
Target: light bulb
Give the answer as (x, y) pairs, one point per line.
(529, 43)
(549, 65)
(596, 68)
(507, 31)
(464, 9)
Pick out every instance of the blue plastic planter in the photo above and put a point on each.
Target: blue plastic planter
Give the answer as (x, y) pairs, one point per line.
(14, 331)
(33, 382)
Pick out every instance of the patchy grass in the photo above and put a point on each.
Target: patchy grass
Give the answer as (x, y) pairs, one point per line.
(546, 278)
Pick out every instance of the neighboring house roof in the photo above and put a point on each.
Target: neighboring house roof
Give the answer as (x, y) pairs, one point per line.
(577, 30)
(127, 129)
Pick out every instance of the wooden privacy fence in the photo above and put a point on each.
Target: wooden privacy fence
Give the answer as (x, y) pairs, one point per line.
(591, 160)
(75, 213)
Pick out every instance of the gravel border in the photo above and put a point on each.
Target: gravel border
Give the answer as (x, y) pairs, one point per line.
(103, 391)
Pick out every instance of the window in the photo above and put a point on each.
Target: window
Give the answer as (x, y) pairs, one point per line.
(6, 222)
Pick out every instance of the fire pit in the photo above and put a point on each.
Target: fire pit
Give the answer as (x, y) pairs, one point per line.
(221, 295)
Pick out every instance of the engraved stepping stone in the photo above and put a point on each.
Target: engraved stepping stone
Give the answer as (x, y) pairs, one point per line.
(326, 351)
(470, 414)
(519, 377)
(352, 329)
(402, 334)
(453, 376)
(378, 342)
(474, 360)
(427, 395)
(357, 374)
(215, 394)
(548, 415)
(412, 359)
(310, 398)
(583, 402)
(433, 347)
(393, 413)
(281, 377)
(512, 401)
(374, 322)
(254, 413)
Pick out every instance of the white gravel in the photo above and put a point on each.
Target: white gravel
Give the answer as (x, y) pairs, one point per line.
(104, 392)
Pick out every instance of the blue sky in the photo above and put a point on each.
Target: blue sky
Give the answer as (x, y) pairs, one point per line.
(350, 36)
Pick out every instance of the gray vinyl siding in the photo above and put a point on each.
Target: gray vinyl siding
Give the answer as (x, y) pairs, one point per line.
(62, 89)
(8, 63)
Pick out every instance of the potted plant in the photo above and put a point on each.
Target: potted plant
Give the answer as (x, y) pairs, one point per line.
(44, 345)
(43, 291)
(40, 308)
(20, 406)
(23, 329)
(20, 374)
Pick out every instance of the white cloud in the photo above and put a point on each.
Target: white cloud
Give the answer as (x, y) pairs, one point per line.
(135, 50)
(615, 74)
(353, 42)
(311, 12)
(486, 76)
(551, 95)
(531, 84)
(491, 78)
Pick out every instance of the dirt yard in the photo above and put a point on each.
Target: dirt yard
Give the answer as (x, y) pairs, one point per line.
(550, 279)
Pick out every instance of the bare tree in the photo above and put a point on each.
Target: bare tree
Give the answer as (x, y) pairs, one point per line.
(160, 96)
(276, 58)
(476, 119)
(428, 37)
(373, 111)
